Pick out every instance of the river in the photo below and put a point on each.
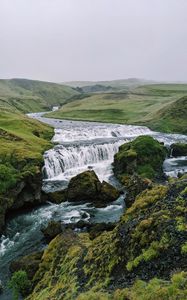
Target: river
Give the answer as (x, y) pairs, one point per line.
(78, 146)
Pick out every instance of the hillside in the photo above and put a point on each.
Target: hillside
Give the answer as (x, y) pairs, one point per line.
(30, 96)
(142, 105)
(119, 84)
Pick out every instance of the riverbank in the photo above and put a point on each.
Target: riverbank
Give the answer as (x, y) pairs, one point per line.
(22, 144)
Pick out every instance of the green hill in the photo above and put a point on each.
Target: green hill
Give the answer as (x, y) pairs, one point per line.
(30, 96)
(144, 105)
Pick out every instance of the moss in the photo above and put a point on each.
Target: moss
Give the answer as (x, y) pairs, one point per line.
(144, 156)
(150, 253)
(184, 249)
(146, 199)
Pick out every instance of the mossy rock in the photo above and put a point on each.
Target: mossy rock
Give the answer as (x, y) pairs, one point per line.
(134, 185)
(143, 156)
(57, 197)
(84, 187)
(29, 264)
(149, 241)
(179, 149)
(87, 187)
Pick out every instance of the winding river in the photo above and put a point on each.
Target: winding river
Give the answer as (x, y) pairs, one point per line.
(78, 146)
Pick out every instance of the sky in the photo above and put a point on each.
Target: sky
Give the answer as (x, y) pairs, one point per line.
(68, 40)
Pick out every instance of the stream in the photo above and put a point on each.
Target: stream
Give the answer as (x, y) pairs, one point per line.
(78, 146)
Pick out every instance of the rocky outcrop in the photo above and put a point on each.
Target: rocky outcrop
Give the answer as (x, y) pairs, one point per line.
(149, 241)
(143, 156)
(29, 264)
(134, 185)
(87, 187)
(179, 149)
(26, 193)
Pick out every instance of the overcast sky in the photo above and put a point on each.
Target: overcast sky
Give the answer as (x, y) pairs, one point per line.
(64, 40)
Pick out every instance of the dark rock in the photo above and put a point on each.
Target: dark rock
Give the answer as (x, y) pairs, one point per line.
(96, 229)
(87, 187)
(134, 185)
(52, 230)
(84, 187)
(29, 264)
(57, 197)
(178, 149)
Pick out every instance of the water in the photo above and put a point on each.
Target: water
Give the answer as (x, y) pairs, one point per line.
(79, 146)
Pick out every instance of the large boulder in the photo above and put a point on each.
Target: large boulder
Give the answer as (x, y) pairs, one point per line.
(57, 197)
(29, 264)
(143, 156)
(87, 187)
(179, 149)
(83, 187)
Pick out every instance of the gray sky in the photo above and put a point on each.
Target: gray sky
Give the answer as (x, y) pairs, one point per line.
(62, 40)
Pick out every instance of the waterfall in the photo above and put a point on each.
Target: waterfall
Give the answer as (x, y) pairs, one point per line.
(68, 160)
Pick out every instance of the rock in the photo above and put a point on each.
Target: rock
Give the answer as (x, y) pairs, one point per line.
(96, 229)
(134, 185)
(108, 193)
(29, 264)
(143, 156)
(87, 187)
(57, 197)
(52, 230)
(84, 187)
(178, 149)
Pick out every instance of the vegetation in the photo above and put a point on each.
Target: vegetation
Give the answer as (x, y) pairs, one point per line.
(162, 107)
(22, 143)
(32, 96)
(20, 284)
(143, 156)
(138, 250)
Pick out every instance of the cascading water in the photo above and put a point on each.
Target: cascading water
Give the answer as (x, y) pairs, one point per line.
(81, 146)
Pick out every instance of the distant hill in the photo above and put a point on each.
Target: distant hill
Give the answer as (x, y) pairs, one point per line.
(114, 84)
(160, 106)
(30, 95)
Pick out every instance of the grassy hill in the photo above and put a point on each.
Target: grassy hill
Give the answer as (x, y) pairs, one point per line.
(119, 84)
(31, 96)
(144, 105)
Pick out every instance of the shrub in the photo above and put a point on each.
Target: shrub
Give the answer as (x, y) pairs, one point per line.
(20, 284)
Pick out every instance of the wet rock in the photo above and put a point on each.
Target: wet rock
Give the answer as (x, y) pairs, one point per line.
(29, 264)
(57, 197)
(52, 230)
(1, 287)
(179, 149)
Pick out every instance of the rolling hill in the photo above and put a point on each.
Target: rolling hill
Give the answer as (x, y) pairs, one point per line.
(143, 105)
(30, 96)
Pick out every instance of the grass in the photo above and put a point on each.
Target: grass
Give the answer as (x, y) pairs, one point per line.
(22, 143)
(144, 105)
(32, 96)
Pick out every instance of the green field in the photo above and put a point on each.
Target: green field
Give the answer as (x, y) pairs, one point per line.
(145, 105)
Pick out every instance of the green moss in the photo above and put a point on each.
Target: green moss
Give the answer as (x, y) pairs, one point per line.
(184, 248)
(143, 156)
(150, 253)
